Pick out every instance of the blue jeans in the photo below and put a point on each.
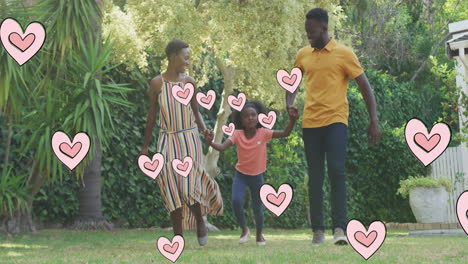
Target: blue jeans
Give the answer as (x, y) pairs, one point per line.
(241, 181)
(330, 140)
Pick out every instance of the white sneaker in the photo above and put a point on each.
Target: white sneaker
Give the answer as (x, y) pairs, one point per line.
(339, 237)
(261, 243)
(245, 238)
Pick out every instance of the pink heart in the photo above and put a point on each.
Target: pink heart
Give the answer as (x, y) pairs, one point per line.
(237, 102)
(183, 95)
(289, 82)
(229, 130)
(274, 202)
(462, 210)
(71, 152)
(365, 245)
(70, 156)
(267, 121)
(183, 168)
(21, 46)
(365, 240)
(208, 100)
(171, 250)
(428, 145)
(427, 150)
(151, 167)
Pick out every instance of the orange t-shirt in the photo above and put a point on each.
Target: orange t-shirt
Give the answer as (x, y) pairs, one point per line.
(251, 153)
(328, 71)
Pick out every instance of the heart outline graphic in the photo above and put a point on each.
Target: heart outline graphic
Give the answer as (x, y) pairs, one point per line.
(415, 126)
(364, 239)
(354, 226)
(10, 26)
(268, 189)
(23, 41)
(59, 137)
(207, 101)
(70, 151)
(143, 160)
(276, 200)
(421, 140)
(187, 93)
(237, 102)
(271, 118)
(287, 81)
(462, 210)
(187, 166)
(229, 130)
(170, 254)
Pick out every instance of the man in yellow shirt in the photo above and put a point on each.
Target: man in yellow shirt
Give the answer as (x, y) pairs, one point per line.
(328, 66)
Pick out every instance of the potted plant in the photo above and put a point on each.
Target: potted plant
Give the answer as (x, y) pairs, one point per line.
(428, 198)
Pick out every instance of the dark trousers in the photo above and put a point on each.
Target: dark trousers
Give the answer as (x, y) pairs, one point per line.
(330, 140)
(239, 185)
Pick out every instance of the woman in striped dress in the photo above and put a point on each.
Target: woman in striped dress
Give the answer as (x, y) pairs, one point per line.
(186, 198)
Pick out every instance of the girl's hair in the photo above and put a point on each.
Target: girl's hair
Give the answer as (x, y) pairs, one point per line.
(236, 115)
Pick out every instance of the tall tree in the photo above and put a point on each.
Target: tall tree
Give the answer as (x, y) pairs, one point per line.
(67, 91)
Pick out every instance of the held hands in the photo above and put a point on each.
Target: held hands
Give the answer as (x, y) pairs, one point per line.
(209, 135)
(293, 113)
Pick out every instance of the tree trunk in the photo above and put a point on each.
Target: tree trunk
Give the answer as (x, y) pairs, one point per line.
(222, 116)
(90, 209)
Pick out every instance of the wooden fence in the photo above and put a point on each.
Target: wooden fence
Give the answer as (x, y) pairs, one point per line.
(450, 166)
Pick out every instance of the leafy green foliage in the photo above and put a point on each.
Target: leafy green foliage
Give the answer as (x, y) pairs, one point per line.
(13, 193)
(413, 182)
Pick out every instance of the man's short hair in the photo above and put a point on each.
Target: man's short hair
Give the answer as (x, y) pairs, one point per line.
(318, 14)
(174, 46)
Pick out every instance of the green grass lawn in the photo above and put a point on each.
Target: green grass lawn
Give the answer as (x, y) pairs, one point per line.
(283, 246)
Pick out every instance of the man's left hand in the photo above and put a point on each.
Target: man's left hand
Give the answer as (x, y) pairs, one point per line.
(373, 132)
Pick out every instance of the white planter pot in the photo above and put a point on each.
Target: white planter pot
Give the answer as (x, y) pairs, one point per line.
(429, 204)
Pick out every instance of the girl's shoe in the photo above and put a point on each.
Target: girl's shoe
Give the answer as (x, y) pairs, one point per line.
(245, 238)
(204, 239)
(261, 243)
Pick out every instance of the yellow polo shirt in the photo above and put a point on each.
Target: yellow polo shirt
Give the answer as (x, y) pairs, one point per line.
(327, 73)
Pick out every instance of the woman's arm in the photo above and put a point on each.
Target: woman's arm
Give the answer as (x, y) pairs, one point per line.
(155, 89)
(293, 116)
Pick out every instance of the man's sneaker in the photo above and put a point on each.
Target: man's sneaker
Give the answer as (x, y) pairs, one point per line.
(339, 237)
(245, 237)
(319, 238)
(262, 242)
